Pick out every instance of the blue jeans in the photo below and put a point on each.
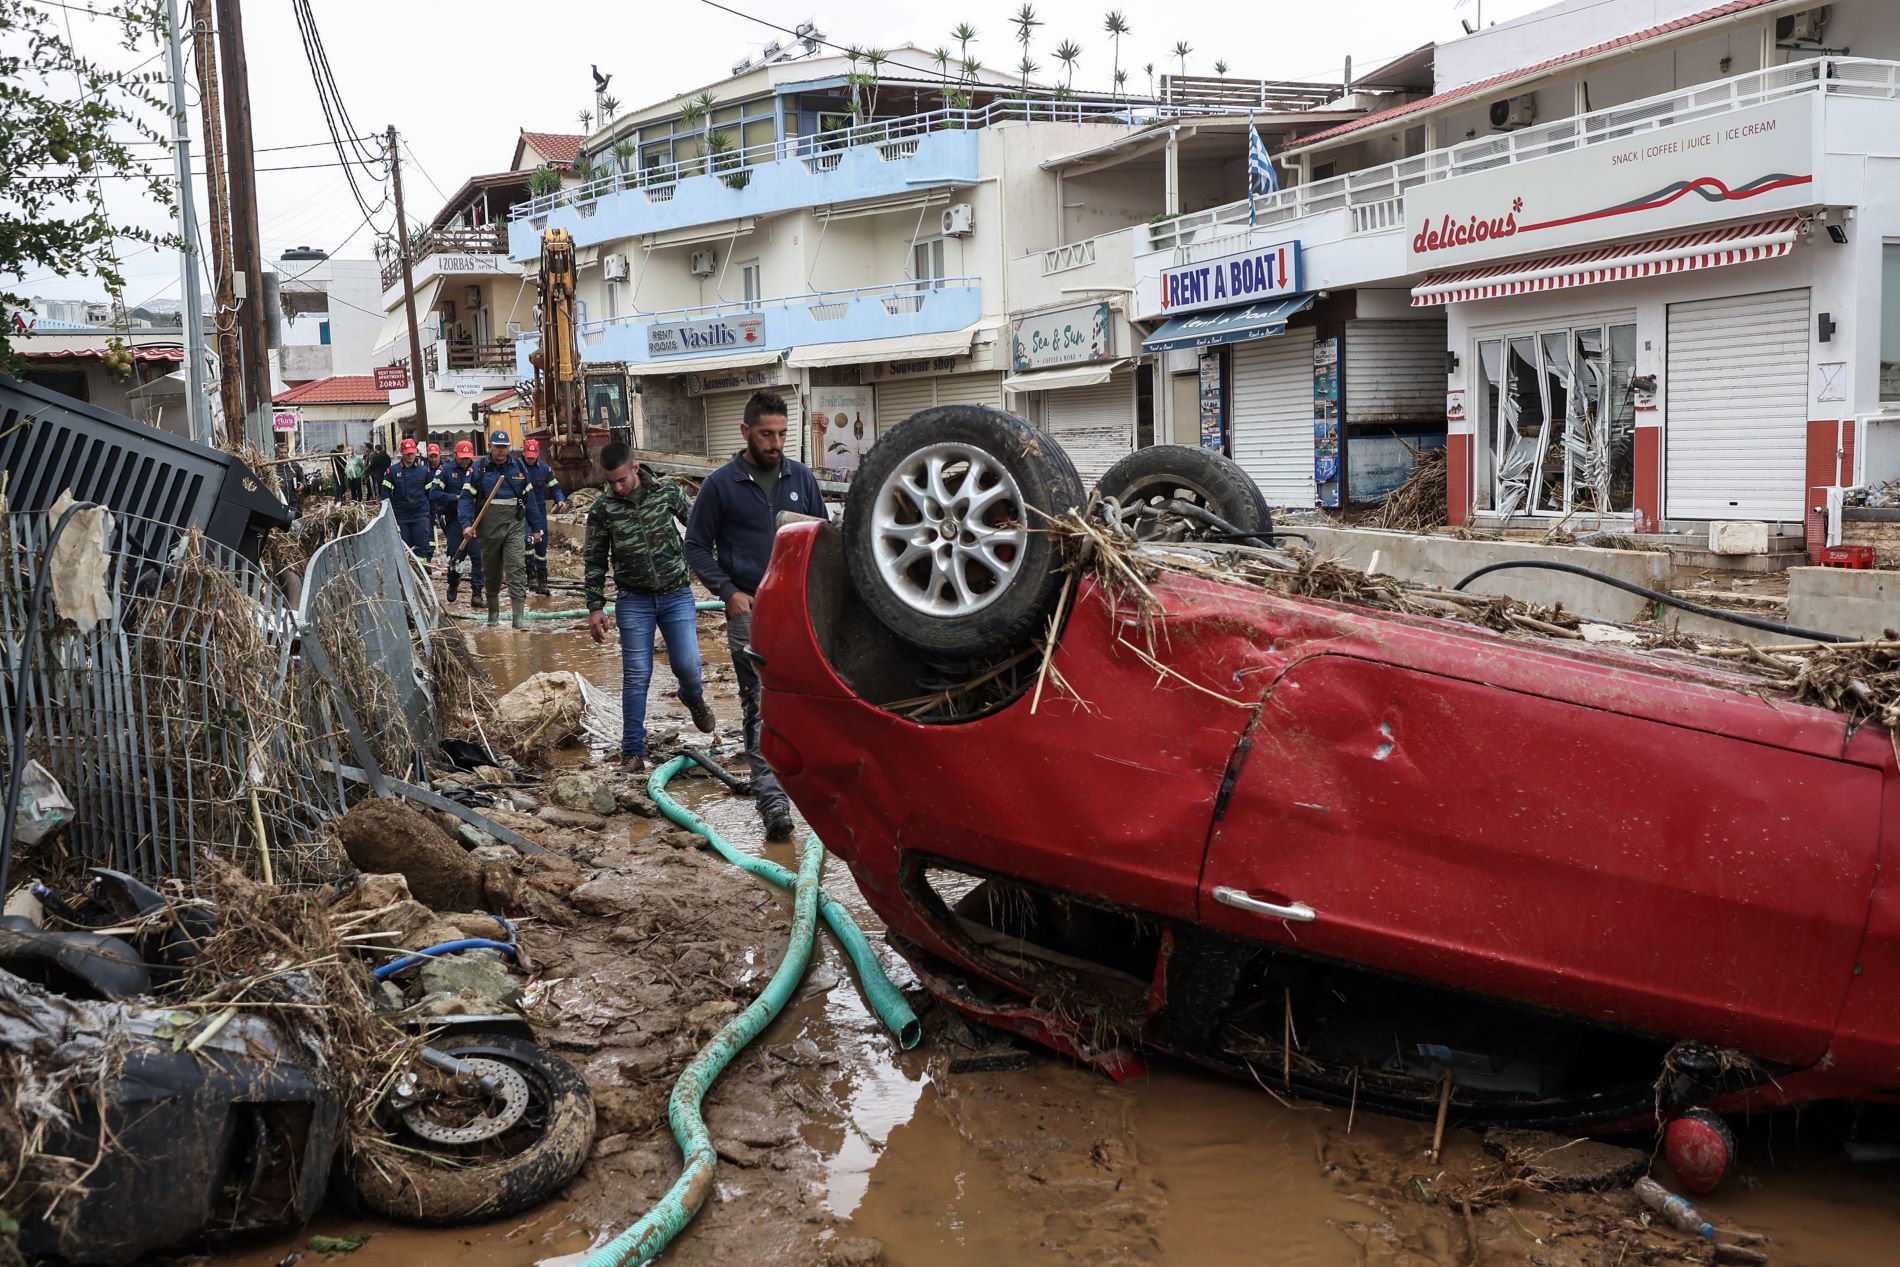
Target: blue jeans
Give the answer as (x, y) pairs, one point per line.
(678, 621)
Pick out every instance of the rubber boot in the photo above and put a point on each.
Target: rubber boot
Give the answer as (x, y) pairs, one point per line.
(455, 582)
(475, 602)
(521, 613)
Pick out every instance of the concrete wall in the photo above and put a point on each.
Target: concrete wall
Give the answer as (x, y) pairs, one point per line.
(1444, 561)
(1553, 31)
(671, 421)
(1864, 604)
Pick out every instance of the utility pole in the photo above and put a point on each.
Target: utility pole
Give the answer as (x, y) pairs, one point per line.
(230, 389)
(196, 406)
(246, 249)
(408, 295)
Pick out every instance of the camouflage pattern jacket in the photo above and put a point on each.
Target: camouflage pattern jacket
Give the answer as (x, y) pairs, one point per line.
(636, 534)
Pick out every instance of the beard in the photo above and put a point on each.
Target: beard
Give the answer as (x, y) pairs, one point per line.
(761, 460)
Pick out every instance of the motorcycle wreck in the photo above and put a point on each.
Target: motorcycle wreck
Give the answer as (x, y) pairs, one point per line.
(188, 1071)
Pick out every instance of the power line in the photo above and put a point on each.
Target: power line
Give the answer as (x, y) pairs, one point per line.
(293, 167)
(336, 115)
(262, 149)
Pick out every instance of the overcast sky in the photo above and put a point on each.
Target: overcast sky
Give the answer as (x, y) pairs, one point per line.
(459, 78)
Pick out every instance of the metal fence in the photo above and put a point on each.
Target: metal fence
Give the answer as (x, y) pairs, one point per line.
(206, 715)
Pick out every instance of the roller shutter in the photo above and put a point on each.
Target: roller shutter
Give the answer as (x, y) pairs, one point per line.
(726, 410)
(1272, 424)
(970, 389)
(898, 400)
(1736, 395)
(1095, 425)
(1395, 371)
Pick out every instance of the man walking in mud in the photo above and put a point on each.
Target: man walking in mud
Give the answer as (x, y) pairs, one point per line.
(497, 503)
(630, 532)
(729, 542)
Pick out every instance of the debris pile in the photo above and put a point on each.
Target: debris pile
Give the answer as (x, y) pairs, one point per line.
(1874, 496)
(1418, 504)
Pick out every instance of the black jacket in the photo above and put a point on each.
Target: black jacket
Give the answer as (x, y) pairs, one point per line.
(729, 537)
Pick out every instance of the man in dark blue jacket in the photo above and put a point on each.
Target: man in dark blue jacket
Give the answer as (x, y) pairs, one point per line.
(497, 504)
(445, 495)
(728, 544)
(405, 486)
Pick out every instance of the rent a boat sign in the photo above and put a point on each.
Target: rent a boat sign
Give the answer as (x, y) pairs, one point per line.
(1226, 281)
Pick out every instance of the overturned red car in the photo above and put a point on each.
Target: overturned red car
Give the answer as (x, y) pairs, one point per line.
(1360, 851)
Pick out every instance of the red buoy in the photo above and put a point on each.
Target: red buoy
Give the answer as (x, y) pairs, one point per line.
(1699, 1146)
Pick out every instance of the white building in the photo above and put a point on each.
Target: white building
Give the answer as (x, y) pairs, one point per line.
(329, 313)
(1652, 246)
(857, 249)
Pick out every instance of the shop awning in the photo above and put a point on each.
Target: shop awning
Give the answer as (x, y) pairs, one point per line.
(909, 348)
(705, 364)
(1226, 325)
(1067, 376)
(447, 411)
(1712, 248)
(394, 333)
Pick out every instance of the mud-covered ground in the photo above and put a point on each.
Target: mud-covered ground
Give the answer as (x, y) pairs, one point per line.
(835, 1147)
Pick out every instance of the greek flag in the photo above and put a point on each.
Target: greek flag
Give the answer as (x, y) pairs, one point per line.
(1261, 178)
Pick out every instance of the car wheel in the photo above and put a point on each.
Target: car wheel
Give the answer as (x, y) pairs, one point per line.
(1148, 479)
(941, 528)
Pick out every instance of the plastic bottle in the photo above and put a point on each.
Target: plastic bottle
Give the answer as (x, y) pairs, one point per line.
(1673, 1209)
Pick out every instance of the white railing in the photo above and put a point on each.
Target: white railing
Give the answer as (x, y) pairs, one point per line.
(895, 139)
(1063, 258)
(897, 298)
(1368, 193)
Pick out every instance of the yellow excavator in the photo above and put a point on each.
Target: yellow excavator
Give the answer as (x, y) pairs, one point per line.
(577, 408)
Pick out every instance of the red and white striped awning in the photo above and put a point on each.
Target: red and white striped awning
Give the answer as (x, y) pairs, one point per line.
(1712, 248)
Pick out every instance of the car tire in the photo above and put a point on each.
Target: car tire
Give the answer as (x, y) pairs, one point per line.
(1199, 477)
(941, 529)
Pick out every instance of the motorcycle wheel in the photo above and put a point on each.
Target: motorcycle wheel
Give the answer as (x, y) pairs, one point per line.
(527, 1151)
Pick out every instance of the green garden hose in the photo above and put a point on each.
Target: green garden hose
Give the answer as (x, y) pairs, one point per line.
(579, 613)
(657, 1228)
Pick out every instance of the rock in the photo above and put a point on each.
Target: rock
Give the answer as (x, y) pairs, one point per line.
(608, 894)
(543, 712)
(711, 1011)
(523, 803)
(856, 1251)
(385, 836)
(476, 925)
(473, 837)
(613, 1145)
(474, 978)
(572, 819)
(633, 799)
(647, 1063)
(583, 791)
(492, 774)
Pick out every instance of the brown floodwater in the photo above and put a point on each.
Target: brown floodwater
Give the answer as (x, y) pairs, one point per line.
(1054, 1164)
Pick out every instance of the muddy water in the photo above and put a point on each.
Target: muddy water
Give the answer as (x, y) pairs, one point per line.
(1055, 1165)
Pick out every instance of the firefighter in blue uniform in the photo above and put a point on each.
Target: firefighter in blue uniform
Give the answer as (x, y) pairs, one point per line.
(445, 497)
(405, 487)
(500, 511)
(546, 489)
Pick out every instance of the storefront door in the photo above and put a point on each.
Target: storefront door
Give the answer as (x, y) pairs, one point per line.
(1556, 420)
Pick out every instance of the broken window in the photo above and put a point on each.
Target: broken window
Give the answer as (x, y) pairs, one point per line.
(1557, 421)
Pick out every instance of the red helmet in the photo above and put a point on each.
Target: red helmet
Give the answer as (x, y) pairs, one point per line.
(435, 450)
(532, 449)
(465, 448)
(408, 447)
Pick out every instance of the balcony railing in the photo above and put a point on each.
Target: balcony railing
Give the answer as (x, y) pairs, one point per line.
(465, 354)
(895, 140)
(897, 298)
(489, 240)
(1375, 196)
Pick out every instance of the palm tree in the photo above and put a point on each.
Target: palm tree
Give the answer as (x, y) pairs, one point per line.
(1181, 50)
(1116, 24)
(875, 59)
(624, 154)
(586, 119)
(1066, 53)
(609, 107)
(1028, 67)
(693, 112)
(854, 55)
(1148, 69)
(963, 35)
(1026, 23)
(1121, 84)
(1220, 68)
(941, 56)
(971, 69)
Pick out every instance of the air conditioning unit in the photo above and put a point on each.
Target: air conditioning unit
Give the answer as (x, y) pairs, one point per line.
(614, 268)
(705, 263)
(1514, 112)
(959, 220)
(1805, 27)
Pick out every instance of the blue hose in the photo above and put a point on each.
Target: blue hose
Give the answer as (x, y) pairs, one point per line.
(410, 960)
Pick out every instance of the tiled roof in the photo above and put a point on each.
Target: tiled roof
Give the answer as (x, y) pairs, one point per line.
(339, 389)
(1530, 72)
(559, 148)
(25, 348)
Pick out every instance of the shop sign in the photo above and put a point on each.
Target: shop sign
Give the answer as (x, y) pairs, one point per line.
(391, 378)
(843, 427)
(1746, 163)
(728, 380)
(916, 367)
(1080, 335)
(717, 334)
(1223, 282)
(468, 264)
(283, 420)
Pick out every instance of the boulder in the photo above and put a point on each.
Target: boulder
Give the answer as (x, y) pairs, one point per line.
(475, 978)
(386, 835)
(583, 791)
(572, 819)
(543, 712)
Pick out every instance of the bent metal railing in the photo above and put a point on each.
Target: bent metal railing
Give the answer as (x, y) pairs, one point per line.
(179, 700)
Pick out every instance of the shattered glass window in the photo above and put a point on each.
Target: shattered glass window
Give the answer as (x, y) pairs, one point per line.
(1620, 406)
(1552, 485)
(1487, 400)
(1523, 426)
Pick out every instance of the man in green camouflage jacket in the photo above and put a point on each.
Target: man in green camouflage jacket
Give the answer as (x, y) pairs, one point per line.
(631, 527)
